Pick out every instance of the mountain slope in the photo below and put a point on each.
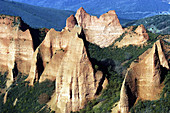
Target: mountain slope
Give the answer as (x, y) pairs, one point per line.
(36, 17)
(156, 24)
(130, 9)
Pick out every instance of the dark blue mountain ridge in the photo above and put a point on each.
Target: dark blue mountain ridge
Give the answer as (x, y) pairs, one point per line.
(128, 9)
(39, 17)
(35, 16)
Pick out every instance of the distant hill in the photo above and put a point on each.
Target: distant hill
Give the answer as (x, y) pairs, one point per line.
(36, 17)
(156, 24)
(128, 9)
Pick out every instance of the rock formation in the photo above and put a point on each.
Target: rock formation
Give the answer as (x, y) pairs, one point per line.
(144, 78)
(101, 31)
(62, 57)
(71, 22)
(130, 37)
(16, 47)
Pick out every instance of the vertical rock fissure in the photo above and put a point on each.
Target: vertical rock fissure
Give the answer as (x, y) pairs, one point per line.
(99, 89)
(78, 87)
(71, 88)
(15, 71)
(156, 59)
(39, 63)
(51, 50)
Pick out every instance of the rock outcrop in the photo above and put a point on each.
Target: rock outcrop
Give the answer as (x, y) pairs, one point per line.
(137, 37)
(16, 47)
(144, 78)
(62, 57)
(71, 22)
(101, 31)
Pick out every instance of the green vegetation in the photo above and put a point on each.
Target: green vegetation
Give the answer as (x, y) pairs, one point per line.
(120, 55)
(158, 106)
(16, 21)
(109, 96)
(120, 38)
(100, 58)
(42, 33)
(30, 99)
(38, 35)
(3, 80)
(34, 99)
(156, 24)
(134, 28)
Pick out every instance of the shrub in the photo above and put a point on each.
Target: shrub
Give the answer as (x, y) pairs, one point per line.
(30, 99)
(43, 98)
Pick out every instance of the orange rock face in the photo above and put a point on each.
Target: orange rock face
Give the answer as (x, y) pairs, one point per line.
(62, 57)
(144, 78)
(137, 37)
(16, 47)
(101, 31)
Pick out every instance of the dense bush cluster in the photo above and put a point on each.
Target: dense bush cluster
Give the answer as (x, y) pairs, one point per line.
(3, 80)
(28, 98)
(129, 53)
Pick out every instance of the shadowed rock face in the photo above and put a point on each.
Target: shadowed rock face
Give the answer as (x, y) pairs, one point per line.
(101, 31)
(62, 57)
(71, 22)
(137, 37)
(144, 78)
(16, 47)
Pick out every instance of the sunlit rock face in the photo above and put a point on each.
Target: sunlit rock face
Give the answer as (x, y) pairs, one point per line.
(144, 78)
(62, 57)
(101, 31)
(138, 37)
(16, 47)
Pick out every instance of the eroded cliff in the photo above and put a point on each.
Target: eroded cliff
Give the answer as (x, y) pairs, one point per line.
(144, 78)
(16, 47)
(101, 31)
(62, 57)
(136, 37)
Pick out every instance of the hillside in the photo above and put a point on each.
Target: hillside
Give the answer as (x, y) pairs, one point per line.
(93, 65)
(36, 17)
(156, 24)
(128, 9)
(39, 17)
